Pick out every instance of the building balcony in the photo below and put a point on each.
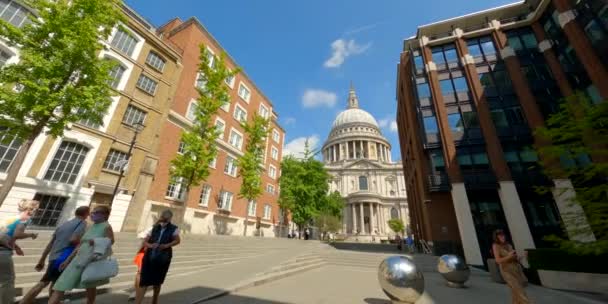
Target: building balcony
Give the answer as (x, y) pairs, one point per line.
(439, 182)
(480, 179)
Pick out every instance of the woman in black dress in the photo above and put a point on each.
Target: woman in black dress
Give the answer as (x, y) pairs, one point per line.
(157, 258)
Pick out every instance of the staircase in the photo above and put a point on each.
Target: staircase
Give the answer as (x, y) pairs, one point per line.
(195, 253)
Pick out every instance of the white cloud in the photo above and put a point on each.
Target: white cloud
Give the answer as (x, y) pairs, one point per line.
(314, 98)
(394, 127)
(297, 146)
(388, 123)
(342, 49)
(383, 123)
(360, 29)
(289, 121)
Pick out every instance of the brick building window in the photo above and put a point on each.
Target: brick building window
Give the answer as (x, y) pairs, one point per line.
(236, 139)
(124, 42)
(9, 145)
(50, 209)
(156, 61)
(267, 211)
(205, 196)
(240, 114)
(251, 208)
(176, 189)
(116, 75)
(275, 153)
(276, 136)
(134, 115)
(146, 84)
(225, 201)
(231, 166)
(14, 13)
(116, 160)
(67, 162)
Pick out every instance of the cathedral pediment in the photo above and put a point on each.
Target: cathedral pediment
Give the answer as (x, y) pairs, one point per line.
(362, 164)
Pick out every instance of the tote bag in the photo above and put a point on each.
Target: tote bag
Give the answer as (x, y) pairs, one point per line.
(100, 270)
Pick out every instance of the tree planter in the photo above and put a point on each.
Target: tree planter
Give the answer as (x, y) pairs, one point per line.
(576, 281)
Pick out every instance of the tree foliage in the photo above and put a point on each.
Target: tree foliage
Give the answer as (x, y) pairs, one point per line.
(60, 77)
(250, 168)
(191, 167)
(304, 188)
(396, 225)
(328, 223)
(579, 136)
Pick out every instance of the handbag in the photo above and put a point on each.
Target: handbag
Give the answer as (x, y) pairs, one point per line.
(65, 252)
(100, 270)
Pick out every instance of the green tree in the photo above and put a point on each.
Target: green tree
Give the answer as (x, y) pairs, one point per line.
(249, 166)
(579, 133)
(332, 205)
(328, 223)
(304, 187)
(396, 225)
(61, 80)
(199, 149)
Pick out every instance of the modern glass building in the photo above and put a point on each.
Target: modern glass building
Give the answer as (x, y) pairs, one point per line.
(470, 92)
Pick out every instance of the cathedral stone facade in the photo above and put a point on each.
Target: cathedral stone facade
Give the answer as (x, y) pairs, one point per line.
(358, 157)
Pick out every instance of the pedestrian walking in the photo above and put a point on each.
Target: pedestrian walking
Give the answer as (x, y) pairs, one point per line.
(157, 257)
(409, 241)
(139, 259)
(60, 247)
(399, 242)
(95, 246)
(508, 263)
(13, 230)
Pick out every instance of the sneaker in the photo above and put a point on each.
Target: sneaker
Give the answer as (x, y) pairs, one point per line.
(132, 296)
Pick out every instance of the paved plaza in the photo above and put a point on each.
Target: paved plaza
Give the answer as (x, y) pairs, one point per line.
(309, 272)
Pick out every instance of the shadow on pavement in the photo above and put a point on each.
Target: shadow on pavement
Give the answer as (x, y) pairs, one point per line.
(368, 247)
(191, 295)
(377, 301)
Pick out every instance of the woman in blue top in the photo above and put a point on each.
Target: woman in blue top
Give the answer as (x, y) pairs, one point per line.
(13, 230)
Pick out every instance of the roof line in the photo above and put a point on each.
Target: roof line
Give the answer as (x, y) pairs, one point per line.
(197, 22)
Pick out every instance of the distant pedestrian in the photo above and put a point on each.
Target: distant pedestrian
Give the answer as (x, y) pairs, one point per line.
(511, 271)
(64, 241)
(157, 258)
(306, 234)
(399, 242)
(99, 236)
(409, 241)
(13, 230)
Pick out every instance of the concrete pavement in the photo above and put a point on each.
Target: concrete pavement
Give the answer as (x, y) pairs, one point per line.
(345, 277)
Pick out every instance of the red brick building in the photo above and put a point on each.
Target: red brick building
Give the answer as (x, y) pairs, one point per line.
(470, 92)
(214, 207)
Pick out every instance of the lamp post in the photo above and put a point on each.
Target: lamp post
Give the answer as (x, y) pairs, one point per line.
(138, 128)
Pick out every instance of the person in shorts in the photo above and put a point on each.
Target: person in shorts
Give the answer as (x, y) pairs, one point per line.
(65, 236)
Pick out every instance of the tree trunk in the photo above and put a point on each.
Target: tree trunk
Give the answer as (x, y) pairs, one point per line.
(246, 221)
(185, 229)
(13, 170)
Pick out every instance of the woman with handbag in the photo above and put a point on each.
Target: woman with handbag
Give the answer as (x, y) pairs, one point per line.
(510, 269)
(157, 258)
(76, 263)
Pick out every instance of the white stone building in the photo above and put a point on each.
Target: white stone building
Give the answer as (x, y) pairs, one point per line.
(358, 157)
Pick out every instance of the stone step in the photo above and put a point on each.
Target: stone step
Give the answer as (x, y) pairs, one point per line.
(292, 265)
(27, 275)
(121, 282)
(130, 253)
(127, 262)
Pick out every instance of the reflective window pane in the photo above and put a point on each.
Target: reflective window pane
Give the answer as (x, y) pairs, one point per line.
(488, 47)
(470, 119)
(430, 124)
(446, 86)
(515, 43)
(529, 40)
(455, 122)
(460, 83)
(423, 90)
(451, 55)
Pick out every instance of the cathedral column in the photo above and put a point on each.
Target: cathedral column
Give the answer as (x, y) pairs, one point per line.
(362, 224)
(379, 218)
(372, 219)
(345, 220)
(354, 218)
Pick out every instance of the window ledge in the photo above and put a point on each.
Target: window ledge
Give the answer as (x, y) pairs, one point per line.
(177, 200)
(146, 92)
(117, 173)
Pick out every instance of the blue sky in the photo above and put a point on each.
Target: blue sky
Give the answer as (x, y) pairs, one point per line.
(303, 54)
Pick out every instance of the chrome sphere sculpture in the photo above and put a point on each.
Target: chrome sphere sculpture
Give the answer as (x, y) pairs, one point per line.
(400, 279)
(454, 269)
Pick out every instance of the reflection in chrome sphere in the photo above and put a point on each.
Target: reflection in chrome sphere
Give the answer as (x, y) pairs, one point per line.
(400, 279)
(454, 270)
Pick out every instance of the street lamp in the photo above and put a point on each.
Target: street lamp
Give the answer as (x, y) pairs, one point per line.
(138, 127)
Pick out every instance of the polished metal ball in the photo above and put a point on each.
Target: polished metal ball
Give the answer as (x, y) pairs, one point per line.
(400, 279)
(454, 269)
